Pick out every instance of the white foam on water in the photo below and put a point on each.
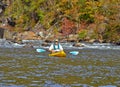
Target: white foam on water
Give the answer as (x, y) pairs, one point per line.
(108, 86)
(8, 44)
(68, 45)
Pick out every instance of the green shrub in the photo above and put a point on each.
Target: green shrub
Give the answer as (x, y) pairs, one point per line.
(86, 17)
(82, 34)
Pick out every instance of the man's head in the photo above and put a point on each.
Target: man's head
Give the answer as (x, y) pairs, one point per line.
(56, 41)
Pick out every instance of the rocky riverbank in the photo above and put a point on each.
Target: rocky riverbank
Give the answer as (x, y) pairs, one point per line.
(9, 33)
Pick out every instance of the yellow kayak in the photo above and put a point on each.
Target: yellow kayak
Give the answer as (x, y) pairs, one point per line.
(58, 54)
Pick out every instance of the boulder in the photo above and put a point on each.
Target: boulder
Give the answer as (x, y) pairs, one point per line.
(27, 35)
(8, 34)
(72, 38)
(118, 43)
(45, 44)
(78, 45)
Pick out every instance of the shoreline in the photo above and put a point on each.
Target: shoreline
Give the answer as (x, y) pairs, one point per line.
(67, 45)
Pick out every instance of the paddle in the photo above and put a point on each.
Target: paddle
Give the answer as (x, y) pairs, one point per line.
(40, 50)
(74, 52)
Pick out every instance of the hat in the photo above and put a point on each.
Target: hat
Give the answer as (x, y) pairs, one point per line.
(56, 40)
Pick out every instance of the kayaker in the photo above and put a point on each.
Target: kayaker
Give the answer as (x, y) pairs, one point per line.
(55, 47)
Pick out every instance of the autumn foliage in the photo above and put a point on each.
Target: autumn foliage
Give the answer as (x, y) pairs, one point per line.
(68, 16)
(68, 27)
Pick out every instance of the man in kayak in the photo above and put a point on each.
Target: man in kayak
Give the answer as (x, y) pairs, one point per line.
(55, 47)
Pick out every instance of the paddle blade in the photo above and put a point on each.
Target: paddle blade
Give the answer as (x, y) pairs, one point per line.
(74, 52)
(40, 50)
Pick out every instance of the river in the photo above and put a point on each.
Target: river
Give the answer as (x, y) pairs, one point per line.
(96, 65)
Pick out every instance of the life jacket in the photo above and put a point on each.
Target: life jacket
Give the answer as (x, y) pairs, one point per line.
(58, 46)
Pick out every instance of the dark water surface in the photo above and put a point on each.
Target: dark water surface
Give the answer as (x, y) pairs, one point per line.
(24, 67)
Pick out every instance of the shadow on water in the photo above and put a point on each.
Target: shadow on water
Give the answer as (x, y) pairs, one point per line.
(24, 67)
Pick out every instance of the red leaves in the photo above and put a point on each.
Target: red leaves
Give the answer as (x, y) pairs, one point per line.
(68, 27)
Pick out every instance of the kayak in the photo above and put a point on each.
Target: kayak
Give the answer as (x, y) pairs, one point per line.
(58, 54)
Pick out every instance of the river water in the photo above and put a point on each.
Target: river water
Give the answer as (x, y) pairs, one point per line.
(96, 65)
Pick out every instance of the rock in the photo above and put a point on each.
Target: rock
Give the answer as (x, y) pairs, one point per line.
(118, 43)
(101, 41)
(96, 41)
(8, 34)
(78, 45)
(92, 40)
(28, 45)
(45, 44)
(28, 35)
(72, 38)
(41, 34)
(48, 41)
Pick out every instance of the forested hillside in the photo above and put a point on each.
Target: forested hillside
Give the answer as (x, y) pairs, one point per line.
(89, 19)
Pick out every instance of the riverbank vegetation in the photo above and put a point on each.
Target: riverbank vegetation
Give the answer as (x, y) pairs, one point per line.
(89, 19)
